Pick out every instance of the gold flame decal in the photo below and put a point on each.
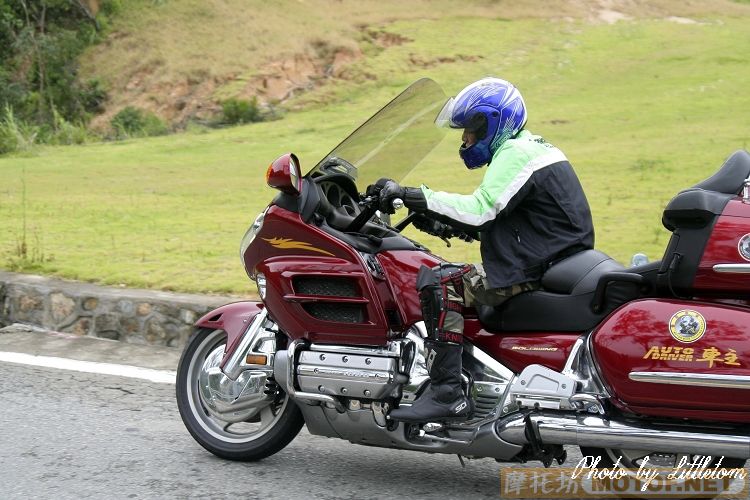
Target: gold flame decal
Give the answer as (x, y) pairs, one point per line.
(289, 244)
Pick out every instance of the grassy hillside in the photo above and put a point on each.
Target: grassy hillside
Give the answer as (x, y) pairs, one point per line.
(642, 107)
(181, 58)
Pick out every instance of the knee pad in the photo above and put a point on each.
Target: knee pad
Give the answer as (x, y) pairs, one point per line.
(441, 298)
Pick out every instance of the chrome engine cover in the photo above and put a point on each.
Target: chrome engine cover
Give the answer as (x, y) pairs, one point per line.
(361, 419)
(351, 372)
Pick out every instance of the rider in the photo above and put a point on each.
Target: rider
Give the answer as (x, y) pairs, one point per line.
(529, 211)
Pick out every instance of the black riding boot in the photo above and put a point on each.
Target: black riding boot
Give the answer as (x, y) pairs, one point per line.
(443, 399)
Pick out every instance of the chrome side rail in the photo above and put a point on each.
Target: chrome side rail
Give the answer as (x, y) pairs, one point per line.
(732, 268)
(699, 379)
(305, 396)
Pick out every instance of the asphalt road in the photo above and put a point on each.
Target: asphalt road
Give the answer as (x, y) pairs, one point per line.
(66, 434)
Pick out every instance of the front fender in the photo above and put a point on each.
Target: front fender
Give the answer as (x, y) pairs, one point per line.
(233, 318)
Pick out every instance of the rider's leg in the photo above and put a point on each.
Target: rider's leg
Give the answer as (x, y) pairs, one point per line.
(441, 299)
(478, 292)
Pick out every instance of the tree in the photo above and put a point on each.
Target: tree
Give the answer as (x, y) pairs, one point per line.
(40, 41)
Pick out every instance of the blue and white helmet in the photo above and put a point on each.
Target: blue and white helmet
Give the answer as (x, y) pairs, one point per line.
(491, 108)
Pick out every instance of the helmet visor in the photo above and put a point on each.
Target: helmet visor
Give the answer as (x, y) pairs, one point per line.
(444, 118)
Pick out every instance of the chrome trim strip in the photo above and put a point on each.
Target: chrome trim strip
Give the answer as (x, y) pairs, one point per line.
(393, 350)
(700, 379)
(233, 366)
(732, 268)
(305, 396)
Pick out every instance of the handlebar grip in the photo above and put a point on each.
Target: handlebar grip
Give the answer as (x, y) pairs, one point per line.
(397, 203)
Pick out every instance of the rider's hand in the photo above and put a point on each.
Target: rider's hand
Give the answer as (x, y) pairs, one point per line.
(433, 227)
(390, 191)
(467, 237)
(441, 230)
(374, 189)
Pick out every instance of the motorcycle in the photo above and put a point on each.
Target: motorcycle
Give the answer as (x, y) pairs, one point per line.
(642, 364)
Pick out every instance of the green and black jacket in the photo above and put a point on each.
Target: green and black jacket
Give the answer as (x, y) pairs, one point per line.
(530, 210)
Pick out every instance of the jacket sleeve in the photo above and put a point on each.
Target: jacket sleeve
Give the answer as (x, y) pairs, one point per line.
(505, 184)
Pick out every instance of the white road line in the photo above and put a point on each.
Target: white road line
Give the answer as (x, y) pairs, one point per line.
(159, 376)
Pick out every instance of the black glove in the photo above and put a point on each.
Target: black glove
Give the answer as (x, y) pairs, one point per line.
(374, 189)
(413, 198)
(390, 191)
(433, 227)
(441, 230)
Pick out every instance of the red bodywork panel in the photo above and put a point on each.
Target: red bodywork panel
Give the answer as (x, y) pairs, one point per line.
(722, 248)
(287, 247)
(637, 338)
(233, 318)
(400, 268)
(518, 350)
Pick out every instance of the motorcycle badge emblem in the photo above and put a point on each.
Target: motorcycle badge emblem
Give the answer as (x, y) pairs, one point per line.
(744, 247)
(687, 326)
(290, 244)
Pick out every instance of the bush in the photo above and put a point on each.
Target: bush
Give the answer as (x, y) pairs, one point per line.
(15, 135)
(135, 122)
(241, 111)
(93, 96)
(64, 132)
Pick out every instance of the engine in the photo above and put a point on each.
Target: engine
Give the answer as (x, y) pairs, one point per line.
(360, 373)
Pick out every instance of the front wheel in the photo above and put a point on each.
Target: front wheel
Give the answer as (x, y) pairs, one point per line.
(264, 429)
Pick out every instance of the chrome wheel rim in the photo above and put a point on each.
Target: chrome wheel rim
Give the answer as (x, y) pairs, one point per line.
(258, 423)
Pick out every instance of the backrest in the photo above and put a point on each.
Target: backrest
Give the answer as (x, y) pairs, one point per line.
(730, 177)
(691, 216)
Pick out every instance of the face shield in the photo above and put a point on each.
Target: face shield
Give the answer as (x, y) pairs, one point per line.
(445, 117)
(476, 122)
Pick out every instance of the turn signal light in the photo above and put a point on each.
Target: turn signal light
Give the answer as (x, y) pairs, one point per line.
(284, 174)
(256, 359)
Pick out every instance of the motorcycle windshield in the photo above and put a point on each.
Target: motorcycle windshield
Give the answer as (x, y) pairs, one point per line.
(391, 142)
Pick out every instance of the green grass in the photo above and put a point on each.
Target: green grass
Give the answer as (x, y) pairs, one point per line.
(642, 109)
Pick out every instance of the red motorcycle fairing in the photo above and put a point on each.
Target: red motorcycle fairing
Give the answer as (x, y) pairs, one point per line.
(317, 286)
(648, 336)
(233, 318)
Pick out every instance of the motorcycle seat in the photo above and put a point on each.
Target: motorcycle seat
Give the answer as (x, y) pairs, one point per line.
(564, 304)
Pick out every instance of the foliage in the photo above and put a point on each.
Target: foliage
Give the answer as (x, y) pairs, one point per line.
(238, 111)
(41, 42)
(135, 122)
(15, 135)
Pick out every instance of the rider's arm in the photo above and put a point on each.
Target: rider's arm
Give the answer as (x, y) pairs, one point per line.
(505, 184)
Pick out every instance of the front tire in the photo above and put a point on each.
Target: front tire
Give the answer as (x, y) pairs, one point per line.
(262, 434)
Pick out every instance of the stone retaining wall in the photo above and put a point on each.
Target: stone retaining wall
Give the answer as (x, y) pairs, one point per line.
(130, 315)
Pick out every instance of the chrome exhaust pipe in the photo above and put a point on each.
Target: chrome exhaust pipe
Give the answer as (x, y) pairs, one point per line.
(597, 432)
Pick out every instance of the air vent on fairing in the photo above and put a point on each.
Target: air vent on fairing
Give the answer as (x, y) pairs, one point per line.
(342, 313)
(335, 288)
(325, 286)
